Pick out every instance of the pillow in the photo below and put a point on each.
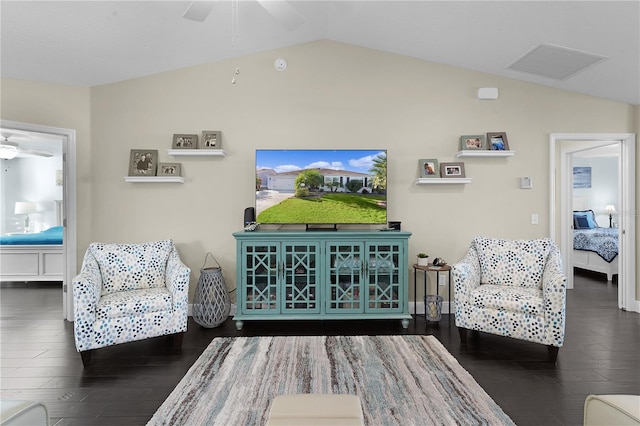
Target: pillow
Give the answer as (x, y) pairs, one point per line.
(580, 222)
(588, 215)
(127, 267)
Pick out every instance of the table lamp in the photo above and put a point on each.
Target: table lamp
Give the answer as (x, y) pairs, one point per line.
(610, 209)
(26, 208)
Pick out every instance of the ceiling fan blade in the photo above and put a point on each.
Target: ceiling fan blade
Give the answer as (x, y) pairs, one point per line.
(36, 152)
(198, 10)
(283, 12)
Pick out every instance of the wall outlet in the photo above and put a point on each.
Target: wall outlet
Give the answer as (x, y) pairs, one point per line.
(442, 280)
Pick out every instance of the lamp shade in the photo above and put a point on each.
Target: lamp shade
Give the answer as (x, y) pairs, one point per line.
(7, 152)
(610, 209)
(26, 207)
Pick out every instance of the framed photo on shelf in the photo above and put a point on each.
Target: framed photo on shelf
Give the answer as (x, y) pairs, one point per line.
(429, 168)
(472, 142)
(169, 169)
(184, 141)
(452, 170)
(211, 139)
(497, 141)
(143, 162)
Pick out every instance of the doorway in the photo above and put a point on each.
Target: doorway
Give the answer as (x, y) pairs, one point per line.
(562, 148)
(69, 218)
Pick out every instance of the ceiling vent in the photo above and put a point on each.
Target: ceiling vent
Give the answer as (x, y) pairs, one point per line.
(555, 62)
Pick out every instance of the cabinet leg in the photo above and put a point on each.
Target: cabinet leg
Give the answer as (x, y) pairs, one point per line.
(239, 325)
(405, 323)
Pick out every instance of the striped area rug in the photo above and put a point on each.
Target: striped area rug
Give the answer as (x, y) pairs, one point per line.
(401, 380)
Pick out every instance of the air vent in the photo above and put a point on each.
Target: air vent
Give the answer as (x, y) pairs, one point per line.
(555, 62)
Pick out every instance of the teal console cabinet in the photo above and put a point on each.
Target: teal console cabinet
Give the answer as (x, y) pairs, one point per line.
(298, 275)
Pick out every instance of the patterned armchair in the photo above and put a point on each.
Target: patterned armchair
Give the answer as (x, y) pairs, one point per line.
(128, 292)
(512, 288)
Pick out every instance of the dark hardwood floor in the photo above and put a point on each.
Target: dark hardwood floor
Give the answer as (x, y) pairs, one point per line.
(125, 384)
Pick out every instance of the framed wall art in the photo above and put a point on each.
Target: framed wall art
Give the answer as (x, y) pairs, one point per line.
(497, 141)
(143, 162)
(472, 142)
(184, 141)
(169, 169)
(211, 139)
(429, 168)
(452, 170)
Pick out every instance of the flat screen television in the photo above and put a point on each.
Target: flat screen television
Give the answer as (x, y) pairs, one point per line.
(321, 186)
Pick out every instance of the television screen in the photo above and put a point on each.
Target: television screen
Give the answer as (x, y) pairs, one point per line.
(318, 186)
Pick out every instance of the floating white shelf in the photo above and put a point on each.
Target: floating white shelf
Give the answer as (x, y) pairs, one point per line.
(484, 153)
(196, 152)
(442, 181)
(154, 179)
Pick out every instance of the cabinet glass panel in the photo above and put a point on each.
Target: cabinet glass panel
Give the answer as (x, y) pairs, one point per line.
(345, 270)
(301, 277)
(384, 292)
(260, 294)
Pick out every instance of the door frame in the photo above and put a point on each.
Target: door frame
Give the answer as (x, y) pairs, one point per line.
(626, 218)
(69, 222)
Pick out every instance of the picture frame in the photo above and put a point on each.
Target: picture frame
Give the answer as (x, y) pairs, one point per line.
(211, 139)
(169, 169)
(429, 168)
(143, 162)
(472, 142)
(497, 141)
(452, 170)
(184, 141)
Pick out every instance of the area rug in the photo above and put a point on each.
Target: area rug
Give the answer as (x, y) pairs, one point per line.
(401, 380)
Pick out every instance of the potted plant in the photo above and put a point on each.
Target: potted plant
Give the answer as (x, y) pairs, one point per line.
(422, 259)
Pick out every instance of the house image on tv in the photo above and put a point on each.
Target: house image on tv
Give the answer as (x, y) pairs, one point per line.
(285, 182)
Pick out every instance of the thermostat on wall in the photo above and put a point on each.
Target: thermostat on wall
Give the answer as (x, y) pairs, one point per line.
(526, 182)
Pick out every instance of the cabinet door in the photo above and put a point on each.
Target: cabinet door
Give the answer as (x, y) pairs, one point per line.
(259, 294)
(345, 273)
(385, 291)
(301, 278)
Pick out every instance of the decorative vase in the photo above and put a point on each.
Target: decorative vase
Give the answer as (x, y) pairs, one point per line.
(211, 304)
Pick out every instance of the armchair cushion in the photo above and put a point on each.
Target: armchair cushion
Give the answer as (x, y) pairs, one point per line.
(512, 262)
(134, 302)
(125, 267)
(509, 299)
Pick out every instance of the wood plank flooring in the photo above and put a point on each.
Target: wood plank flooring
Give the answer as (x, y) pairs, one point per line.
(125, 384)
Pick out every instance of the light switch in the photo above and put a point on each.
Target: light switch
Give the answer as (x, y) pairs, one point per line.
(534, 218)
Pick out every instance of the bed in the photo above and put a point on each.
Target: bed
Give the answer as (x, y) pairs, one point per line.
(32, 257)
(594, 248)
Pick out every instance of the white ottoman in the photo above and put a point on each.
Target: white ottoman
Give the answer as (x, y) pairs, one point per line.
(23, 413)
(315, 409)
(619, 410)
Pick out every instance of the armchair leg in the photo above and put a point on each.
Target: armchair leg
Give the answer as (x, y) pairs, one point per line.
(552, 351)
(176, 340)
(463, 335)
(86, 357)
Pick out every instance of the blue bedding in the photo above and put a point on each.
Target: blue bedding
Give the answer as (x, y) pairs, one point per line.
(603, 241)
(51, 236)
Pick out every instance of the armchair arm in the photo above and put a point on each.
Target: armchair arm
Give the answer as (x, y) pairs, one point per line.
(87, 288)
(177, 280)
(466, 275)
(554, 294)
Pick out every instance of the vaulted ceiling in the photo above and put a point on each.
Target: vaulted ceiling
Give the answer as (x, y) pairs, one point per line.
(96, 42)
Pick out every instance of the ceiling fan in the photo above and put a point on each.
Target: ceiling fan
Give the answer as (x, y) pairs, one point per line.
(281, 10)
(9, 149)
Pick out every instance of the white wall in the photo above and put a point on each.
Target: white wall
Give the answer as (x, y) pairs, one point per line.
(332, 95)
(604, 185)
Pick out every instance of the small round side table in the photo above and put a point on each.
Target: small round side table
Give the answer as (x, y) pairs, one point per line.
(429, 268)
